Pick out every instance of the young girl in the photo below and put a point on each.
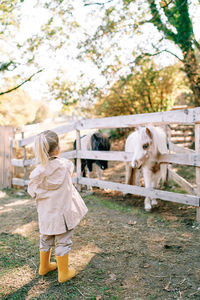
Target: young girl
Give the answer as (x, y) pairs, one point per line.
(59, 205)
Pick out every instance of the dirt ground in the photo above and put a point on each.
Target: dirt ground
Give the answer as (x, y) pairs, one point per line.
(120, 251)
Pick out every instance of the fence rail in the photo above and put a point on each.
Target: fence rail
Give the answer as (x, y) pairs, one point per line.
(178, 155)
(189, 159)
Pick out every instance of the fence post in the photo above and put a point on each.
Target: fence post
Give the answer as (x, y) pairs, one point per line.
(168, 135)
(25, 168)
(78, 160)
(197, 148)
(6, 135)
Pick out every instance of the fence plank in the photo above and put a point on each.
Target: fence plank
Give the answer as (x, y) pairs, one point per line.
(19, 182)
(183, 159)
(175, 148)
(105, 155)
(68, 154)
(22, 182)
(157, 118)
(28, 162)
(17, 162)
(59, 130)
(136, 190)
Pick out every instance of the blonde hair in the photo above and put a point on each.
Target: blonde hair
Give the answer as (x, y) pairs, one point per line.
(45, 144)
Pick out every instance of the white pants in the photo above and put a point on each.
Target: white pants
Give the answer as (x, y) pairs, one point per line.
(62, 242)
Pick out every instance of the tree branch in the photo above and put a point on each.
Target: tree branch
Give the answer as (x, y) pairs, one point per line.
(197, 45)
(97, 3)
(29, 79)
(165, 50)
(156, 21)
(138, 58)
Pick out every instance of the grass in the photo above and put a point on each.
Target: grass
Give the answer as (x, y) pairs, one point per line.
(188, 172)
(110, 204)
(19, 261)
(102, 202)
(15, 251)
(124, 250)
(171, 186)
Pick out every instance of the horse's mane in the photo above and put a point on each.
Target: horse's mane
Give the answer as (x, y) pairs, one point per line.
(159, 139)
(160, 143)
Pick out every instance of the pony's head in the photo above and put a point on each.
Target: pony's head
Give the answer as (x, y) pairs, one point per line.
(144, 147)
(100, 142)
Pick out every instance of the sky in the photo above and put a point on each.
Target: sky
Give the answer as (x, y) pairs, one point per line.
(33, 17)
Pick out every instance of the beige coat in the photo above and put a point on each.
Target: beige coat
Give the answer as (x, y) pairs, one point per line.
(58, 202)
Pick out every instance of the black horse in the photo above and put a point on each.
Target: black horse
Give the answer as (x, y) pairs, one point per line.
(97, 142)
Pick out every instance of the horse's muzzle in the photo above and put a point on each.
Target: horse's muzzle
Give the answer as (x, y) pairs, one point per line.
(136, 165)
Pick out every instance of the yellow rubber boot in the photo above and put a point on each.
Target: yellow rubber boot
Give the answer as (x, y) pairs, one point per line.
(45, 265)
(64, 273)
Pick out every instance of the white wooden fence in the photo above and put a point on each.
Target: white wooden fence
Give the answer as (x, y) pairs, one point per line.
(6, 136)
(178, 155)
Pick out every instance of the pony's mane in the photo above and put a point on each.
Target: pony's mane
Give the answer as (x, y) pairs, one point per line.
(159, 139)
(160, 142)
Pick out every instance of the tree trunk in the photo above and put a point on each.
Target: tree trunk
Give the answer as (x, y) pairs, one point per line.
(191, 68)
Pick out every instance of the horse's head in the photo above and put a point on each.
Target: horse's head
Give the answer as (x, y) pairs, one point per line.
(143, 147)
(100, 142)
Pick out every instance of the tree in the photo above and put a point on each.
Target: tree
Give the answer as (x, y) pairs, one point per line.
(148, 89)
(17, 108)
(41, 113)
(172, 20)
(10, 24)
(179, 29)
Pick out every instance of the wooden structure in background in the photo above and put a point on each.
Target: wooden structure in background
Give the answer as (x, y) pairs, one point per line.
(177, 155)
(6, 169)
(183, 135)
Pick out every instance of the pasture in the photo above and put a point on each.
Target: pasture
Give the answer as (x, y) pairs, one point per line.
(120, 251)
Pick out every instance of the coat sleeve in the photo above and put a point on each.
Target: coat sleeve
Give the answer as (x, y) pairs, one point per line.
(70, 166)
(31, 189)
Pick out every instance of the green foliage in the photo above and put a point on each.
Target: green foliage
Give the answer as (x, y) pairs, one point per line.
(116, 21)
(7, 16)
(64, 91)
(177, 14)
(173, 22)
(147, 89)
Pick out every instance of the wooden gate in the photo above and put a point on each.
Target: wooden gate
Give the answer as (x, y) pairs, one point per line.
(6, 137)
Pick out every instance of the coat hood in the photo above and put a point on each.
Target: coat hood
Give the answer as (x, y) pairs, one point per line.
(52, 175)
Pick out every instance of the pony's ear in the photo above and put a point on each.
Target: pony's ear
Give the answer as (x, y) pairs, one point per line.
(95, 135)
(149, 133)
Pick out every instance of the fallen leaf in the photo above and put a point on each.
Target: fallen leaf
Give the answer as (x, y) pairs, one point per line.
(166, 288)
(112, 276)
(187, 235)
(146, 266)
(132, 222)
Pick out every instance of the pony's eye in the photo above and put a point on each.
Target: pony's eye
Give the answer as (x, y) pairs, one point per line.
(145, 146)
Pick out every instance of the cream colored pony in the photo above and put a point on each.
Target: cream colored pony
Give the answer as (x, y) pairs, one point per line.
(147, 143)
